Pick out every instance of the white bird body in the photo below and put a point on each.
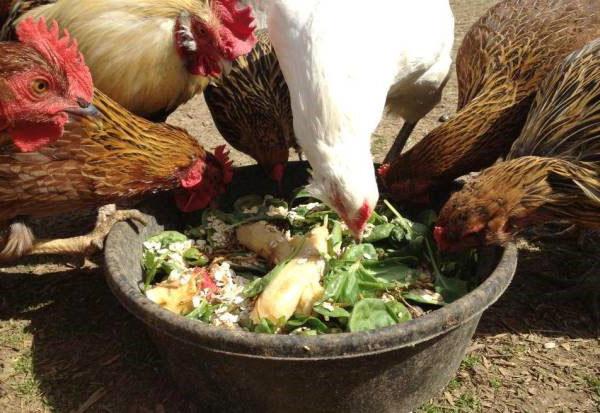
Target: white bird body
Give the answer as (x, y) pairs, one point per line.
(340, 60)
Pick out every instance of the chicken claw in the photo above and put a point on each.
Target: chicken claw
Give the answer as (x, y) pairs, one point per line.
(90, 243)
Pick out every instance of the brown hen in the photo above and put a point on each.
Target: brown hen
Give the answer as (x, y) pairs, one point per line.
(109, 158)
(552, 172)
(252, 110)
(500, 65)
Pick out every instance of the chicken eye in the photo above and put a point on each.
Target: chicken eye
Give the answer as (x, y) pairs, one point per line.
(40, 86)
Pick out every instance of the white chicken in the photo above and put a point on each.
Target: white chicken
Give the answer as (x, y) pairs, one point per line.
(343, 61)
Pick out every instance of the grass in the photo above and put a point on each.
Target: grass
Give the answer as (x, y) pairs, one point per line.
(594, 383)
(495, 383)
(470, 361)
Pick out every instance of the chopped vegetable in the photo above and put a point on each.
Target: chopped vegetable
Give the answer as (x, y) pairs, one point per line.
(296, 287)
(276, 268)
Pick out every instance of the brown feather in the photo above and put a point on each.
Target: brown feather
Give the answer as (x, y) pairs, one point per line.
(251, 106)
(97, 161)
(500, 65)
(552, 172)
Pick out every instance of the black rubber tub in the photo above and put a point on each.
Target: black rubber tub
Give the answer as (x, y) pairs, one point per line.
(394, 369)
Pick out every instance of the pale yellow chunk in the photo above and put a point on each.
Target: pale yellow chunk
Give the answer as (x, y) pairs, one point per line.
(174, 297)
(297, 287)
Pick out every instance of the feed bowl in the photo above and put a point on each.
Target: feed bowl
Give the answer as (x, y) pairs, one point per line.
(394, 369)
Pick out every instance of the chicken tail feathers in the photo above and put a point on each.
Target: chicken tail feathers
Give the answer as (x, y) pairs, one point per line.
(17, 242)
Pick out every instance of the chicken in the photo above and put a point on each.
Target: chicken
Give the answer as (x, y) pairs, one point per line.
(42, 80)
(552, 172)
(500, 64)
(340, 60)
(150, 56)
(109, 157)
(251, 108)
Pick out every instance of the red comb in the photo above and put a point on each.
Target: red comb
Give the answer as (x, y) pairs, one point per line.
(60, 51)
(438, 235)
(238, 26)
(383, 170)
(222, 155)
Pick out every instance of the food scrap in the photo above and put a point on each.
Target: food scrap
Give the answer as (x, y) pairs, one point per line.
(271, 268)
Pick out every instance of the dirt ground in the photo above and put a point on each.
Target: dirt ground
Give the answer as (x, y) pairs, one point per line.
(67, 346)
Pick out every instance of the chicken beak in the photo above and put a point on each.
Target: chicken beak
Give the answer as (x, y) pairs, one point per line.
(85, 109)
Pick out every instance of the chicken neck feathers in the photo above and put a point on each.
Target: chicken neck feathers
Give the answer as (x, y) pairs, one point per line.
(96, 161)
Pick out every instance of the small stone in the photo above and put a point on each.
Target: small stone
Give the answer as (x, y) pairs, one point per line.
(444, 118)
(549, 345)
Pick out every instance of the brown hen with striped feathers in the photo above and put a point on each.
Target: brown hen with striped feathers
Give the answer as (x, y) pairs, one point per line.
(112, 157)
(502, 61)
(252, 110)
(552, 172)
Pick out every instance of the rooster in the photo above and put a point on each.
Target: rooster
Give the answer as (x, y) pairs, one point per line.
(153, 55)
(340, 60)
(42, 80)
(502, 61)
(552, 172)
(251, 108)
(108, 157)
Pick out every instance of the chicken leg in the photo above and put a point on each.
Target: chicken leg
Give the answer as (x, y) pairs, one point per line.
(87, 244)
(400, 142)
(90, 243)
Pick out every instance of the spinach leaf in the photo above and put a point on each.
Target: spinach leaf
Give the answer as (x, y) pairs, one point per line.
(265, 327)
(166, 238)
(348, 283)
(359, 252)
(151, 264)
(194, 257)
(313, 323)
(379, 232)
(337, 312)
(248, 202)
(372, 313)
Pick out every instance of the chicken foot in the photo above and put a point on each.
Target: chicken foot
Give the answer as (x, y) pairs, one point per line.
(400, 142)
(90, 243)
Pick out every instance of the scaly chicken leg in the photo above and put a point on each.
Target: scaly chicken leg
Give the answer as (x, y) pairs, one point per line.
(108, 215)
(21, 242)
(400, 141)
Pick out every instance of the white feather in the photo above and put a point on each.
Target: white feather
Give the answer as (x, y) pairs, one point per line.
(340, 59)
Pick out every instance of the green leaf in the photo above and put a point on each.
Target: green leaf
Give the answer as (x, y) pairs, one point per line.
(423, 296)
(380, 232)
(151, 265)
(348, 283)
(450, 288)
(258, 285)
(398, 311)
(335, 238)
(194, 257)
(372, 313)
(337, 312)
(359, 252)
(313, 323)
(265, 327)
(393, 269)
(247, 202)
(168, 237)
(203, 312)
